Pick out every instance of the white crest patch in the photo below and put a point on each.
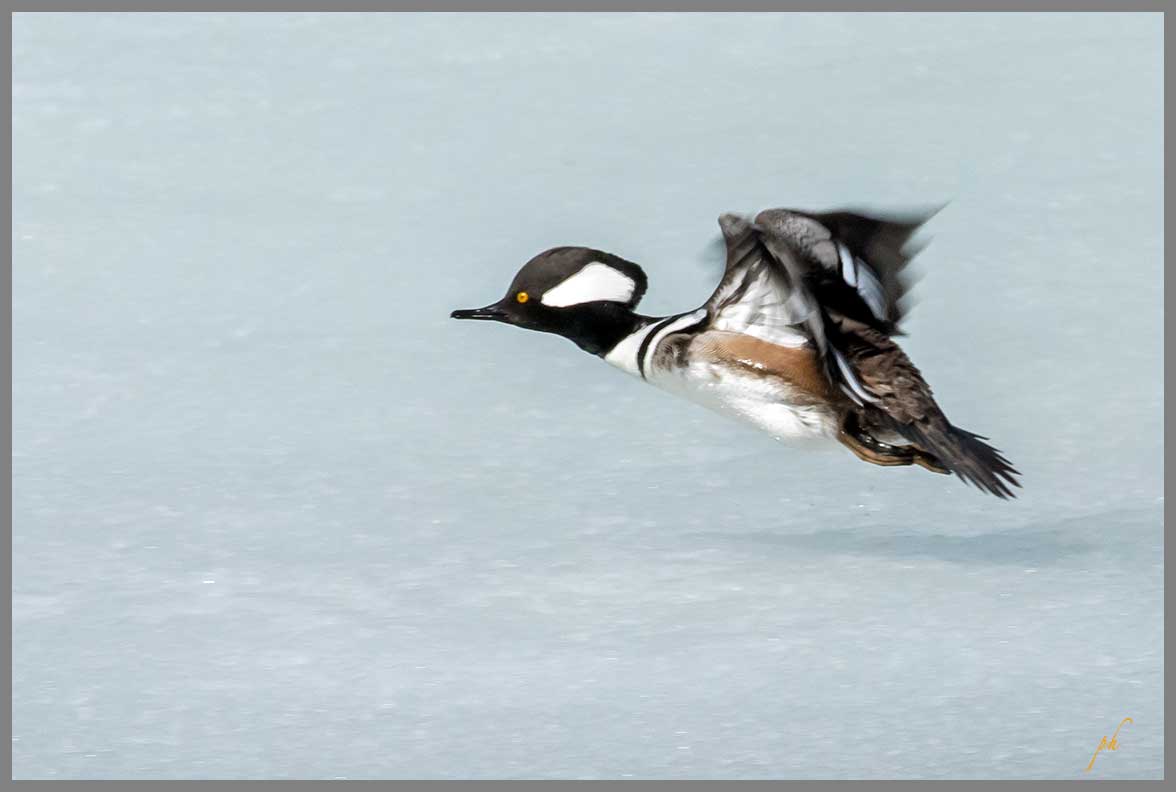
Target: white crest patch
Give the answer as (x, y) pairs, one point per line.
(592, 283)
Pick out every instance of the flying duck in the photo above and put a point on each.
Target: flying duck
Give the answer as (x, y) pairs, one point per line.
(797, 340)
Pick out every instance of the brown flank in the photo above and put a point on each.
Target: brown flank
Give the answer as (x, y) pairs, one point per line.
(797, 366)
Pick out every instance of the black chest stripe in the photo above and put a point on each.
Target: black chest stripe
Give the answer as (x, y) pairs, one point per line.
(645, 342)
(657, 329)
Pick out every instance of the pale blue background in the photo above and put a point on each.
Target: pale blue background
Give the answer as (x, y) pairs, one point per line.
(277, 516)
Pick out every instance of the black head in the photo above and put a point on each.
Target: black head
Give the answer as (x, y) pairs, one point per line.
(582, 294)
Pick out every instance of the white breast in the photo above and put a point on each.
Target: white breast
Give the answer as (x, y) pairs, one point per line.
(764, 402)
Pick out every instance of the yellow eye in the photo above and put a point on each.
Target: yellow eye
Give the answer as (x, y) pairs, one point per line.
(522, 297)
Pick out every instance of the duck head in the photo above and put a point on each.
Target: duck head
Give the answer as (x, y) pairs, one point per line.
(585, 295)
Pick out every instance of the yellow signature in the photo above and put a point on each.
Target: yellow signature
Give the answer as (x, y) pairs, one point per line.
(1113, 745)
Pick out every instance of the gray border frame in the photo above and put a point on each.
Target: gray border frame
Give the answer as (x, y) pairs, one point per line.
(101, 6)
(15, 6)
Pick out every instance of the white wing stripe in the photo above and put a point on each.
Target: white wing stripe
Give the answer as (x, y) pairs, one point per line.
(870, 288)
(859, 392)
(848, 265)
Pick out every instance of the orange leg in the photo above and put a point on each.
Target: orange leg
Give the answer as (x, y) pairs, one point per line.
(867, 452)
(869, 449)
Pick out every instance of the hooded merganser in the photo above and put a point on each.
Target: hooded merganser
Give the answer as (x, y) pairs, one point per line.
(798, 338)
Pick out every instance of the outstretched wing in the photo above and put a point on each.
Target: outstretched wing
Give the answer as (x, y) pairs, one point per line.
(759, 295)
(836, 281)
(853, 264)
(792, 276)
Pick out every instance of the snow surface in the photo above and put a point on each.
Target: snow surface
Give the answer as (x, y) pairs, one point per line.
(276, 515)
